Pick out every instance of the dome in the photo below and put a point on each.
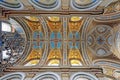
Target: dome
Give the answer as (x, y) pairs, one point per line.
(12, 42)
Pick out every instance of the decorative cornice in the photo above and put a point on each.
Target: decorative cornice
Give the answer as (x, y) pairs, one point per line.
(5, 14)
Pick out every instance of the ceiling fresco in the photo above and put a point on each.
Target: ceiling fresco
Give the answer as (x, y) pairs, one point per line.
(52, 41)
(100, 40)
(39, 35)
(56, 43)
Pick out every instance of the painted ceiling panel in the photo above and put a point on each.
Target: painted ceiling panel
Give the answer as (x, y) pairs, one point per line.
(99, 35)
(55, 37)
(72, 41)
(58, 34)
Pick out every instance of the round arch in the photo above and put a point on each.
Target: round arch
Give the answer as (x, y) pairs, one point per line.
(16, 76)
(13, 5)
(90, 4)
(50, 75)
(84, 75)
(45, 5)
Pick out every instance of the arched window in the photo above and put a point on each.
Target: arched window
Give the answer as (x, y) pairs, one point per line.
(47, 76)
(83, 76)
(54, 62)
(14, 76)
(32, 62)
(75, 62)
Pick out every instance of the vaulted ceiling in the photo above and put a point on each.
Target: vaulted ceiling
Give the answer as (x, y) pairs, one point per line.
(59, 33)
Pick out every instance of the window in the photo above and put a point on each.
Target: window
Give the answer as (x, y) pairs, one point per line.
(54, 62)
(75, 63)
(82, 79)
(32, 63)
(6, 27)
(4, 54)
